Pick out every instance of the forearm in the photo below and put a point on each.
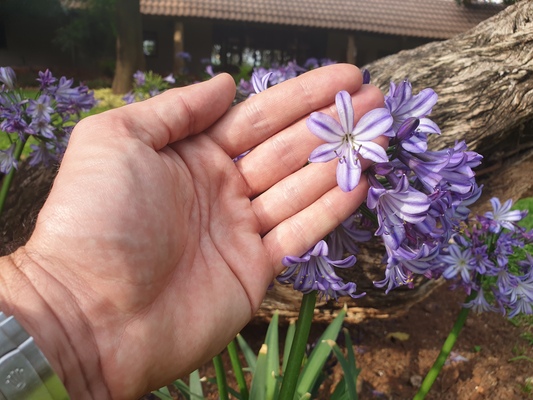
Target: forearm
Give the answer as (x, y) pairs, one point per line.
(46, 309)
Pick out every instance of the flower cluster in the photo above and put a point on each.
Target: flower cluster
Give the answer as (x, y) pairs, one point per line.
(48, 118)
(261, 76)
(148, 84)
(417, 198)
(492, 258)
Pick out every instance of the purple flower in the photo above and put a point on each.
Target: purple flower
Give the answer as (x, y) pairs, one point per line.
(46, 79)
(139, 78)
(7, 160)
(396, 206)
(502, 216)
(459, 262)
(345, 237)
(480, 303)
(169, 79)
(129, 98)
(41, 154)
(402, 104)
(311, 63)
(40, 109)
(348, 142)
(260, 83)
(314, 271)
(8, 77)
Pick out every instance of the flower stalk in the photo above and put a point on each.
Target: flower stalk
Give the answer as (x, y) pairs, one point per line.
(299, 344)
(445, 351)
(8, 178)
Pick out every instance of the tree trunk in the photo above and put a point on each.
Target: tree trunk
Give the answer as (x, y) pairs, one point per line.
(130, 57)
(482, 77)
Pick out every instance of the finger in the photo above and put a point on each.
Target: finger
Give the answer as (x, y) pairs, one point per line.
(268, 112)
(173, 114)
(289, 150)
(298, 191)
(299, 233)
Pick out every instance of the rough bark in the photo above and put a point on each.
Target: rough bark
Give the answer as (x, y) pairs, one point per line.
(483, 78)
(130, 57)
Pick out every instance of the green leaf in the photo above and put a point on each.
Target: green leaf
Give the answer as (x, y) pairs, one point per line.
(249, 355)
(163, 393)
(354, 371)
(288, 344)
(258, 387)
(237, 370)
(525, 204)
(195, 385)
(348, 377)
(319, 356)
(272, 368)
(222, 382)
(340, 391)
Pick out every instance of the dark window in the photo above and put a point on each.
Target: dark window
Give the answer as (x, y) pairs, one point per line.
(264, 45)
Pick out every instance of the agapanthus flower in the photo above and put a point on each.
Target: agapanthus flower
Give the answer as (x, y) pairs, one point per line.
(42, 154)
(346, 142)
(46, 79)
(502, 216)
(459, 262)
(393, 207)
(7, 159)
(315, 271)
(41, 108)
(480, 304)
(345, 237)
(260, 83)
(8, 77)
(139, 78)
(402, 104)
(169, 79)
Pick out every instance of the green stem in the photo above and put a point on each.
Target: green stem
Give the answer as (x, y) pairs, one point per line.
(237, 369)
(222, 383)
(299, 344)
(444, 351)
(6, 182)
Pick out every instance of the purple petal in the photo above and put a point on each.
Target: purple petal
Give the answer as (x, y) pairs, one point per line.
(324, 152)
(324, 127)
(343, 101)
(373, 124)
(348, 175)
(419, 105)
(373, 151)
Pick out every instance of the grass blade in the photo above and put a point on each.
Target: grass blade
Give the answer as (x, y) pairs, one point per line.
(249, 356)
(272, 367)
(237, 369)
(348, 378)
(288, 344)
(222, 383)
(319, 356)
(258, 387)
(195, 385)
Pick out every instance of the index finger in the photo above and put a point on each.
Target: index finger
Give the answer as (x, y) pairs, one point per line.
(265, 114)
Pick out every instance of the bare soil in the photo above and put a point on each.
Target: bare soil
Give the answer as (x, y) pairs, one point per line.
(492, 359)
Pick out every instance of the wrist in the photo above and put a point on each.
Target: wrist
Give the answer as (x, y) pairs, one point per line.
(47, 310)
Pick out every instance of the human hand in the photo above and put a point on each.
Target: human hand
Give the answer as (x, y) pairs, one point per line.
(154, 248)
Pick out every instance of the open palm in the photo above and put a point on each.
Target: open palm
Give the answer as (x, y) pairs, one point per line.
(165, 245)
